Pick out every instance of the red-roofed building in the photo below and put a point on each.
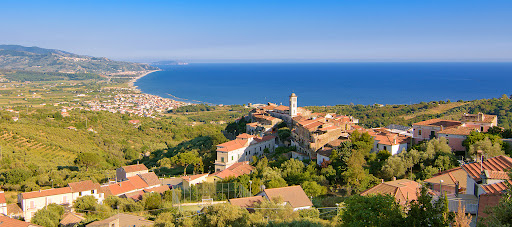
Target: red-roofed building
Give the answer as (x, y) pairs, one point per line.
(426, 130)
(193, 180)
(293, 196)
(11, 222)
(242, 149)
(384, 139)
(235, 170)
(124, 172)
(33, 201)
(84, 188)
(3, 204)
(137, 182)
(491, 171)
(403, 190)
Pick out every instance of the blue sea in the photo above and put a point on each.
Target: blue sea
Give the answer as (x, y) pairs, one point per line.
(324, 84)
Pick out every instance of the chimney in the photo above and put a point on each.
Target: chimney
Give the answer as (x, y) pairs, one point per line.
(381, 180)
(442, 128)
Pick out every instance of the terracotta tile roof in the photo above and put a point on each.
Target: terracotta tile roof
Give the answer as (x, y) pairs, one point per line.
(2, 197)
(486, 202)
(150, 178)
(134, 168)
(137, 182)
(244, 136)
(159, 189)
(293, 195)
(502, 175)
(235, 170)
(264, 138)
(124, 220)
(388, 138)
(498, 163)
(14, 209)
(71, 219)
(403, 190)
(438, 123)
(121, 188)
(247, 201)
(282, 108)
(496, 187)
(137, 195)
(252, 124)
(81, 186)
(449, 177)
(457, 131)
(11, 222)
(192, 177)
(44, 193)
(232, 145)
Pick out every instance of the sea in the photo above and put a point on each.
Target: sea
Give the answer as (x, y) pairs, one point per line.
(327, 84)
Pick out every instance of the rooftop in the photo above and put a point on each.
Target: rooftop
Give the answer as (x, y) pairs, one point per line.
(403, 190)
(438, 123)
(293, 195)
(499, 163)
(134, 168)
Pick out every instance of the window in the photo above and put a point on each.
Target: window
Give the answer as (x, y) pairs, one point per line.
(32, 204)
(92, 191)
(222, 159)
(419, 132)
(232, 158)
(64, 199)
(260, 148)
(80, 194)
(482, 129)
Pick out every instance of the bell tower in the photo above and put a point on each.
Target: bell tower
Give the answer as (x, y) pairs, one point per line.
(293, 105)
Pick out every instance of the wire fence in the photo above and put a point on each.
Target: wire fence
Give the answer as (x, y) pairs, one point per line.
(208, 191)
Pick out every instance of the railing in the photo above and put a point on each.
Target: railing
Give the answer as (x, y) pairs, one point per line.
(471, 206)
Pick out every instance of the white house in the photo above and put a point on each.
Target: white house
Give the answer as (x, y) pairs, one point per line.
(31, 202)
(124, 172)
(242, 149)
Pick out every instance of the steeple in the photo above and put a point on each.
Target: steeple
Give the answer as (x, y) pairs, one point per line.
(293, 105)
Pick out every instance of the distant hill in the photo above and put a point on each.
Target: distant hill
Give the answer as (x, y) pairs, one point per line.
(36, 59)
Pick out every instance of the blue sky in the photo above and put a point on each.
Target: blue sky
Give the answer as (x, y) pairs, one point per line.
(261, 30)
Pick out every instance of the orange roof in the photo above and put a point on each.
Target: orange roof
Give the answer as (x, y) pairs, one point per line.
(496, 187)
(293, 195)
(2, 198)
(403, 190)
(44, 193)
(150, 178)
(159, 189)
(137, 182)
(235, 170)
(264, 138)
(438, 123)
(81, 186)
(134, 168)
(244, 136)
(388, 138)
(498, 163)
(192, 177)
(71, 219)
(457, 131)
(450, 177)
(121, 188)
(11, 222)
(246, 201)
(232, 145)
(282, 108)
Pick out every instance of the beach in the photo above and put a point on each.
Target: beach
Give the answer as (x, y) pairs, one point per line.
(131, 83)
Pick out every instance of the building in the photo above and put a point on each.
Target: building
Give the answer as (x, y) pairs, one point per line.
(31, 202)
(133, 186)
(242, 149)
(124, 172)
(122, 220)
(480, 121)
(235, 170)
(482, 174)
(403, 190)
(3, 204)
(188, 181)
(384, 139)
(427, 130)
(247, 202)
(451, 181)
(293, 196)
(455, 136)
(11, 222)
(83, 188)
(71, 220)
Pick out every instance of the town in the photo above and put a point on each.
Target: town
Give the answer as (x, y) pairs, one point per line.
(303, 138)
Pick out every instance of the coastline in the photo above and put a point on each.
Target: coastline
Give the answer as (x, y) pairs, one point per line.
(131, 83)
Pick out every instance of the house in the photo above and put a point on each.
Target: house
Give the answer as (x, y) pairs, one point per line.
(247, 202)
(455, 136)
(31, 202)
(122, 220)
(293, 196)
(403, 190)
(235, 170)
(14, 211)
(426, 130)
(480, 121)
(323, 155)
(384, 139)
(242, 149)
(11, 222)
(71, 220)
(452, 181)
(491, 171)
(3, 204)
(124, 172)
(188, 181)
(84, 188)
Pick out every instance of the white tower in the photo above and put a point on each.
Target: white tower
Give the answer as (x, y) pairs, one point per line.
(293, 105)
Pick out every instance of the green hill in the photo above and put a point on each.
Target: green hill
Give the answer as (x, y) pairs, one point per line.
(36, 59)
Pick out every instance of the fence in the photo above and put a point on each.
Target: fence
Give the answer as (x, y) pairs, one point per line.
(207, 191)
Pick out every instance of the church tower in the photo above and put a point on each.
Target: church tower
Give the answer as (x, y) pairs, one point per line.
(293, 105)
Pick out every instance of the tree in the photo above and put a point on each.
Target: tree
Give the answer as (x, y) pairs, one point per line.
(372, 210)
(49, 216)
(88, 160)
(185, 159)
(284, 134)
(152, 201)
(356, 177)
(488, 148)
(16, 176)
(85, 203)
(313, 189)
(461, 219)
(222, 215)
(424, 212)
(293, 171)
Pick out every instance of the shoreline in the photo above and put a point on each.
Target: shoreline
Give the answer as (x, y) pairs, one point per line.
(131, 83)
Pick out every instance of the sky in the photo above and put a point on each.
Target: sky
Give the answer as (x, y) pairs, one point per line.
(265, 30)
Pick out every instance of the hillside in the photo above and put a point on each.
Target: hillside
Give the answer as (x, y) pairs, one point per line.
(36, 59)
